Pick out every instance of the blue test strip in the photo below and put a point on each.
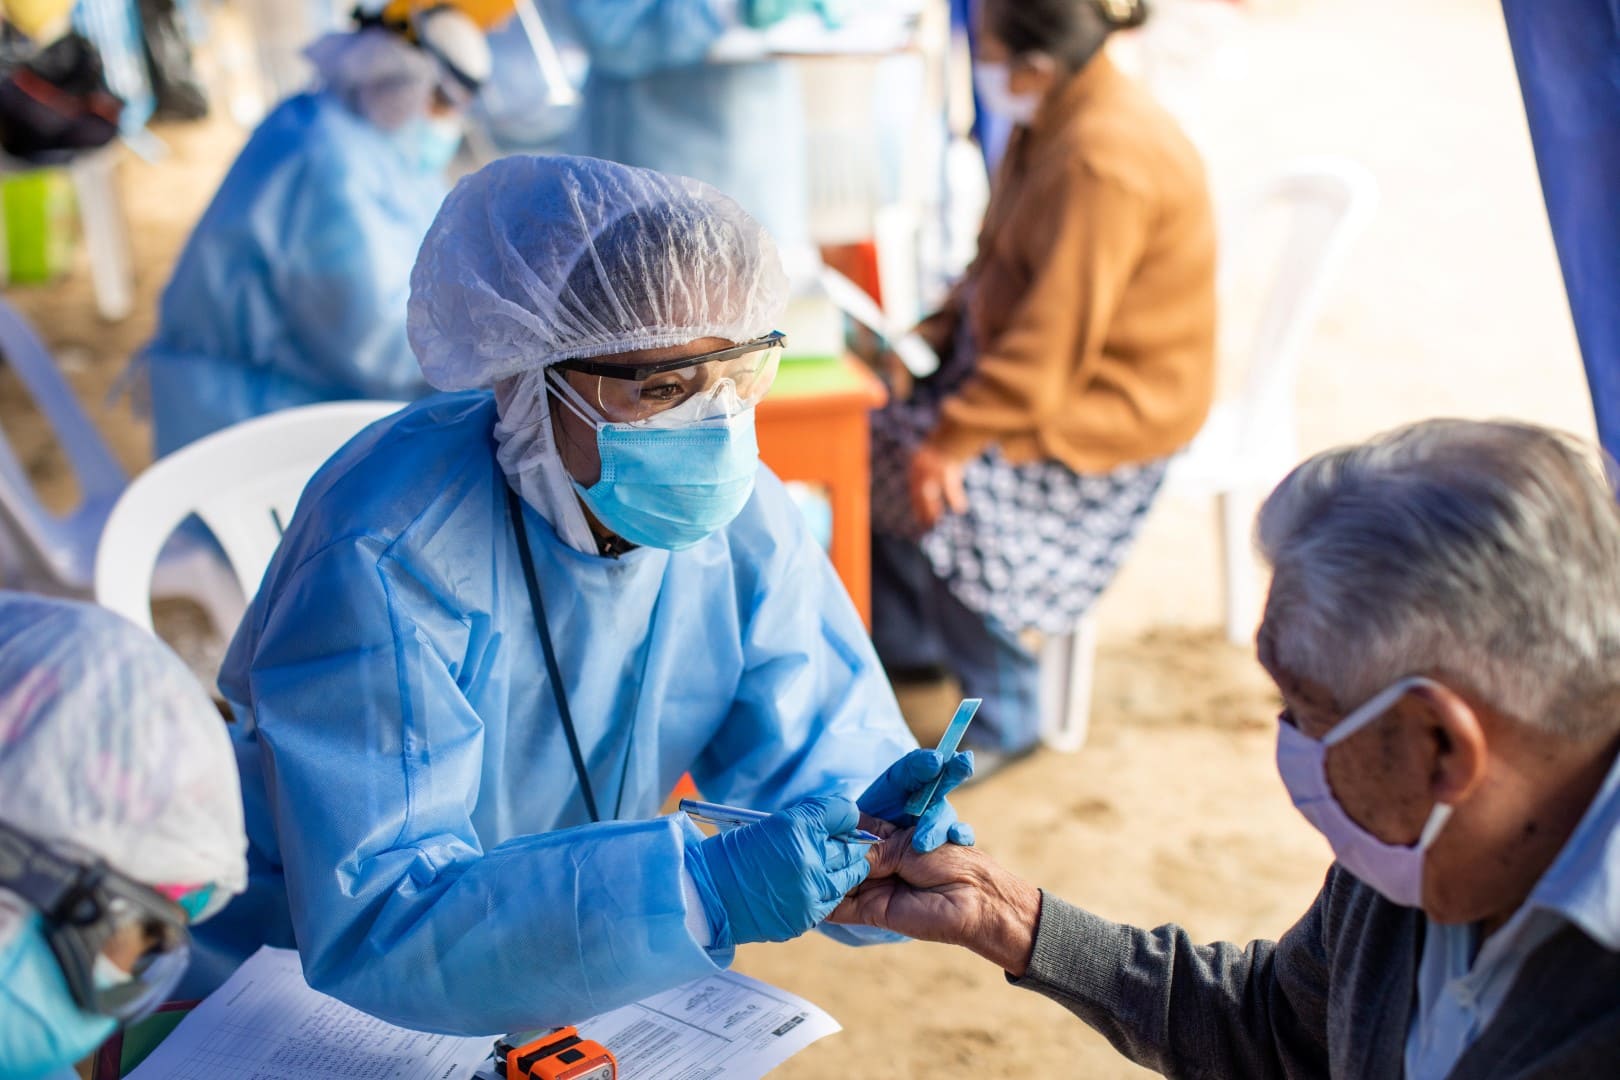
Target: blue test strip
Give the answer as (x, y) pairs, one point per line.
(919, 803)
(731, 817)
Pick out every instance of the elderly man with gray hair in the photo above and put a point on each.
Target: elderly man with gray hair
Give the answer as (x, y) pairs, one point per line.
(1444, 628)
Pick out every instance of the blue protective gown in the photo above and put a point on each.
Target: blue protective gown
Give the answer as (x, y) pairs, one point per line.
(292, 288)
(414, 819)
(652, 101)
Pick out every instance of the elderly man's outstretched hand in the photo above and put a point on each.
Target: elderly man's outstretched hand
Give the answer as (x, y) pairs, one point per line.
(955, 895)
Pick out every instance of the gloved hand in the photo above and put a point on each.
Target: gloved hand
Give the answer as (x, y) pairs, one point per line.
(777, 878)
(763, 13)
(914, 772)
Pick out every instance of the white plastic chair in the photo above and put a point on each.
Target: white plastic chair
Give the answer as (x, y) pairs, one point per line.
(105, 227)
(49, 552)
(243, 482)
(1248, 443)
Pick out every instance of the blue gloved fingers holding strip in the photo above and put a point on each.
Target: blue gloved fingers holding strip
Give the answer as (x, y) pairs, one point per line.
(915, 773)
(777, 878)
(939, 822)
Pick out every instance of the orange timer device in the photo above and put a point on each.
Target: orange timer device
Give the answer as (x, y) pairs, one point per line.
(558, 1054)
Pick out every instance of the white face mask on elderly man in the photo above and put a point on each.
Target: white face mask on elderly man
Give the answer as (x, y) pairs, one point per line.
(1396, 872)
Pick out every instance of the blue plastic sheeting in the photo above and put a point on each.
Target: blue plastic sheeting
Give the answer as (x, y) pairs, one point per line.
(1568, 56)
(415, 822)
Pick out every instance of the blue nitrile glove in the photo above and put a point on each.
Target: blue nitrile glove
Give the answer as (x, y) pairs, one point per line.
(779, 877)
(887, 796)
(763, 13)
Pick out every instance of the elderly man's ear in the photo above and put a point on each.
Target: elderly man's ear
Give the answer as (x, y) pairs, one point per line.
(1456, 732)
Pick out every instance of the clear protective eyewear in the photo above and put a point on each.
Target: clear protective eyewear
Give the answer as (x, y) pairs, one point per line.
(122, 946)
(635, 393)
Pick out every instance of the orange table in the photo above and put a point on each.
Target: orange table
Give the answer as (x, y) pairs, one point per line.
(813, 429)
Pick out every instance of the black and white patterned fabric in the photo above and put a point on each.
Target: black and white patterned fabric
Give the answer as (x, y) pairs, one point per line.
(1039, 542)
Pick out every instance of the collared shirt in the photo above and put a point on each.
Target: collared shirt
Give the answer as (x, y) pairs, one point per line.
(1461, 983)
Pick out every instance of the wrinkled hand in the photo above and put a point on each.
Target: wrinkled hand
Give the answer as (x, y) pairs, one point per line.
(955, 895)
(887, 796)
(777, 878)
(936, 486)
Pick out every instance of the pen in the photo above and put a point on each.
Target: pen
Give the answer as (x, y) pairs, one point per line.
(919, 803)
(730, 817)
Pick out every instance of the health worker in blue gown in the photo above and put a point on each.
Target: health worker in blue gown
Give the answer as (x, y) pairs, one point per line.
(653, 99)
(292, 288)
(503, 624)
(120, 825)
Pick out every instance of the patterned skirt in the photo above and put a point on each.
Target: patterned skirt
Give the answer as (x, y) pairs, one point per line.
(1039, 542)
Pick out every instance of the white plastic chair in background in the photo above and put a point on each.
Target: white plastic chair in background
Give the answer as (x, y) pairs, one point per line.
(45, 551)
(105, 228)
(243, 482)
(1249, 441)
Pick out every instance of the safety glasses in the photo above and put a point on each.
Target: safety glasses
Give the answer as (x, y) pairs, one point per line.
(122, 946)
(630, 393)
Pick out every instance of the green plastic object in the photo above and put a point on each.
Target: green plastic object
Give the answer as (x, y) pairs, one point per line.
(38, 208)
(805, 377)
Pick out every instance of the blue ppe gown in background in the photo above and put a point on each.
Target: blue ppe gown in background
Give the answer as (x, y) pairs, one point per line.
(415, 821)
(292, 288)
(652, 101)
(1568, 56)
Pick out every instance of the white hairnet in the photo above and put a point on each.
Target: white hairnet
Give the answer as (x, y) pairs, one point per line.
(538, 259)
(108, 742)
(388, 80)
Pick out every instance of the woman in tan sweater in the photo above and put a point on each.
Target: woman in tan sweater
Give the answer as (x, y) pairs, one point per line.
(1077, 355)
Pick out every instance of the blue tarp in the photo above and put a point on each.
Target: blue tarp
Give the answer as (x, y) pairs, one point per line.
(1568, 56)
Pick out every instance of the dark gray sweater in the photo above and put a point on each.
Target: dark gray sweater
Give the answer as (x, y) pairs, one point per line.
(1334, 997)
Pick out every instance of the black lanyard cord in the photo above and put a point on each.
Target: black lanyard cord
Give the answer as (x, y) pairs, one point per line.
(538, 607)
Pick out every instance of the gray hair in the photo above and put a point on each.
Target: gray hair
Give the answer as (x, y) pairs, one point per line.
(1488, 553)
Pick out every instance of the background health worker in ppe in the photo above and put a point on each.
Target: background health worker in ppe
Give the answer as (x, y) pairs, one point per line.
(502, 625)
(654, 100)
(118, 803)
(292, 288)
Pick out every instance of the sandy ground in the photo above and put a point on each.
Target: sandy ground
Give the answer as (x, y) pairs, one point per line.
(1451, 304)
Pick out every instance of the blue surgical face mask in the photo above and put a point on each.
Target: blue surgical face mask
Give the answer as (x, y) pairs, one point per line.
(430, 144)
(42, 1029)
(672, 481)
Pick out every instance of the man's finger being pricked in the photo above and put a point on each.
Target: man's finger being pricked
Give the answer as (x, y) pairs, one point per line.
(885, 857)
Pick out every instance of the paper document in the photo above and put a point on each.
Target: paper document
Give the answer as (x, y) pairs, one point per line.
(723, 1027)
(266, 1023)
